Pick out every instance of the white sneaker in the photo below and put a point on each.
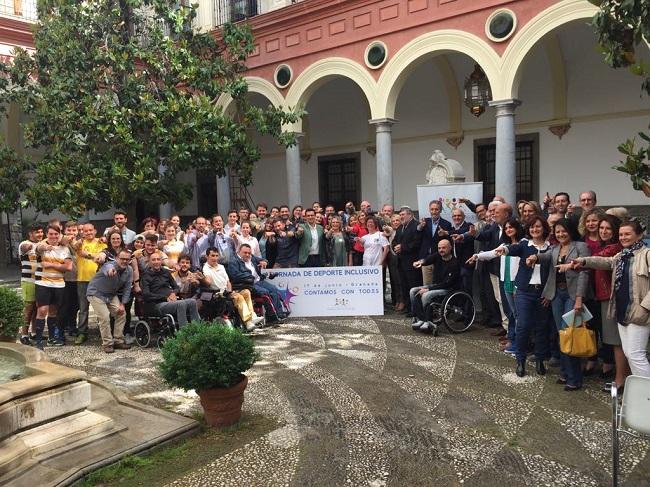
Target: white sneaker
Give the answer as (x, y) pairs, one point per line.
(417, 324)
(129, 339)
(250, 326)
(426, 326)
(257, 319)
(227, 323)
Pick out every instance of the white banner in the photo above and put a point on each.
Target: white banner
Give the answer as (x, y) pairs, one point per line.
(448, 195)
(331, 291)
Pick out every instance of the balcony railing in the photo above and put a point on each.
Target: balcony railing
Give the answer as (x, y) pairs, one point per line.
(235, 10)
(25, 9)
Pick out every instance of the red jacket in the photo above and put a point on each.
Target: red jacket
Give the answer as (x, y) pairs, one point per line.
(603, 279)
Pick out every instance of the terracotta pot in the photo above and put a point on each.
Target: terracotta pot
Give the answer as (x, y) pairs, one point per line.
(222, 406)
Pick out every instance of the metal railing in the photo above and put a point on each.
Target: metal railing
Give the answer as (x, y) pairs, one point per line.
(234, 10)
(25, 9)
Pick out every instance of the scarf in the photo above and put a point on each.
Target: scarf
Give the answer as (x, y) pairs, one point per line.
(626, 255)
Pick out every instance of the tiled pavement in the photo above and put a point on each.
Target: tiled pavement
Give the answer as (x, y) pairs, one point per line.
(366, 401)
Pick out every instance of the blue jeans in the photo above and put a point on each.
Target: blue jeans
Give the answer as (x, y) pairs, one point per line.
(512, 322)
(531, 319)
(265, 287)
(570, 367)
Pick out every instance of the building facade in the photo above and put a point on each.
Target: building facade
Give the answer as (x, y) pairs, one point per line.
(383, 86)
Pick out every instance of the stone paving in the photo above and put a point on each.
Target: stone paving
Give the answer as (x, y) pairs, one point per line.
(367, 401)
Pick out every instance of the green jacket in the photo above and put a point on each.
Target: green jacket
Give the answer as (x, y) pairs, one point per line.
(305, 242)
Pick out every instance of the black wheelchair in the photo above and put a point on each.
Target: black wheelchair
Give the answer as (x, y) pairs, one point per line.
(152, 323)
(216, 305)
(455, 310)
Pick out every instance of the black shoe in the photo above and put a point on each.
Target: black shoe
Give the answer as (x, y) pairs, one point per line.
(408, 314)
(560, 381)
(25, 340)
(569, 388)
(521, 369)
(539, 367)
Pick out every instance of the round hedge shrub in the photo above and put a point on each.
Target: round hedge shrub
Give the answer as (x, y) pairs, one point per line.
(206, 356)
(11, 312)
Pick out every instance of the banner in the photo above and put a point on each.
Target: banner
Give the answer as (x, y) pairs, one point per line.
(331, 291)
(448, 195)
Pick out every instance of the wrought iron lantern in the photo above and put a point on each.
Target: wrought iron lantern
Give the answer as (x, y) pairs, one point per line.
(477, 91)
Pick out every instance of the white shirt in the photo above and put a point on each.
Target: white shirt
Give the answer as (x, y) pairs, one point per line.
(249, 265)
(373, 248)
(217, 275)
(313, 250)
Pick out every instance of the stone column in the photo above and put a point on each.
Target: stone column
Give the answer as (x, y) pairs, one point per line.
(223, 195)
(506, 166)
(294, 190)
(384, 160)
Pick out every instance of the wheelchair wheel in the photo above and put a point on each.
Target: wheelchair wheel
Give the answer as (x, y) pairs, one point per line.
(458, 312)
(164, 334)
(142, 333)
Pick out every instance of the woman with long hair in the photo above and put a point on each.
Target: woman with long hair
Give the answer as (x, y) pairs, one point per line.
(629, 302)
(357, 231)
(588, 229)
(296, 215)
(337, 244)
(566, 291)
(610, 246)
(528, 211)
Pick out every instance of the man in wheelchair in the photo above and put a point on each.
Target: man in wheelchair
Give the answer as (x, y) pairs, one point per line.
(160, 293)
(216, 279)
(446, 278)
(245, 272)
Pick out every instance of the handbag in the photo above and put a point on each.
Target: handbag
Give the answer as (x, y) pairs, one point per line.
(578, 341)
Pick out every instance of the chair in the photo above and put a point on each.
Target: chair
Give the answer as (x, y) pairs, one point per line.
(632, 417)
(455, 310)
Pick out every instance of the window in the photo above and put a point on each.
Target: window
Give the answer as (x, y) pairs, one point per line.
(206, 192)
(527, 157)
(339, 179)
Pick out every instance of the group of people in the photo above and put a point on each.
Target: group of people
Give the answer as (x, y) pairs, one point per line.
(528, 265)
(535, 269)
(66, 269)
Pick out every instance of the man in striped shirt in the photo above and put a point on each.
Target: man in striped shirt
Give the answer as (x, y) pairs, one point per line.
(27, 251)
(53, 261)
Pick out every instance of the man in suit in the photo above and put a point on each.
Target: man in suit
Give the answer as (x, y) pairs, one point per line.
(491, 237)
(310, 235)
(406, 245)
(463, 248)
(432, 229)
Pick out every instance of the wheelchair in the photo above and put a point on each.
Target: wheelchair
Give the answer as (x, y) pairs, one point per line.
(455, 310)
(215, 306)
(163, 326)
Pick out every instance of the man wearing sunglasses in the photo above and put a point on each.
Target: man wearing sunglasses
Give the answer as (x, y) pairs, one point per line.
(113, 279)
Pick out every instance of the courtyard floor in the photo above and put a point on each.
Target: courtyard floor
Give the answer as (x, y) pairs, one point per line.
(367, 401)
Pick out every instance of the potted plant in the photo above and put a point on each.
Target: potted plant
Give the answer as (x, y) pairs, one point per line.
(11, 314)
(210, 359)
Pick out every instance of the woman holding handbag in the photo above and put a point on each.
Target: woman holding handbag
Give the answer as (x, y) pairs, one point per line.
(565, 291)
(630, 296)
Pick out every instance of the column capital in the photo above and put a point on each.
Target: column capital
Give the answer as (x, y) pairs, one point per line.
(383, 122)
(505, 107)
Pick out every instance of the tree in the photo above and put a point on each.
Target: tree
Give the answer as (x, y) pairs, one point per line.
(622, 27)
(121, 96)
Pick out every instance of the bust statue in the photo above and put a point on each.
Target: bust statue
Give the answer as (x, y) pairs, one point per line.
(442, 170)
